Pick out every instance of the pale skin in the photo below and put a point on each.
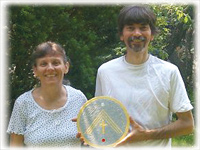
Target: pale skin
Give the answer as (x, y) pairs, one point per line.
(182, 126)
(51, 94)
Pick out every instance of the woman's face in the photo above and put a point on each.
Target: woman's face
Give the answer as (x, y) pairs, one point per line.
(50, 69)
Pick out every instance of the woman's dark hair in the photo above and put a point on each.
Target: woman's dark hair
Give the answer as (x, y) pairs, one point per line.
(137, 14)
(48, 48)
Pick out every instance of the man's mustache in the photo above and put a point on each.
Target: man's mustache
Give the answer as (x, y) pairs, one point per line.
(135, 38)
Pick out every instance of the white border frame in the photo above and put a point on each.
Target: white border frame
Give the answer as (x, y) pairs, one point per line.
(4, 61)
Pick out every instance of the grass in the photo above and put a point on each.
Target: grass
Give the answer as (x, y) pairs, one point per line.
(184, 141)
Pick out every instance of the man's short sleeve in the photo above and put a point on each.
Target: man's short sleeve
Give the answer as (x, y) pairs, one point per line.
(179, 101)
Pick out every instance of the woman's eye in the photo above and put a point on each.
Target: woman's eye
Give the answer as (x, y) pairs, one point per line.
(56, 63)
(43, 64)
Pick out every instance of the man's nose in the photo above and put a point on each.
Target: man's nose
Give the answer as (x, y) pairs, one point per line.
(137, 32)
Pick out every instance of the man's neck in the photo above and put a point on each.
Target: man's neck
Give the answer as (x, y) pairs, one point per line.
(136, 58)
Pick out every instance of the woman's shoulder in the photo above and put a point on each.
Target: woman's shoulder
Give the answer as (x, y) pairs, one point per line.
(25, 97)
(74, 91)
(70, 88)
(75, 95)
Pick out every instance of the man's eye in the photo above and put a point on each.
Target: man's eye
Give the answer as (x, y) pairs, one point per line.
(130, 28)
(144, 28)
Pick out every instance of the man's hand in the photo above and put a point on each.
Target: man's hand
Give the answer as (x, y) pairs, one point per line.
(183, 126)
(138, 133)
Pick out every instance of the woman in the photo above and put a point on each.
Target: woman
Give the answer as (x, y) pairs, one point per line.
(42, 116)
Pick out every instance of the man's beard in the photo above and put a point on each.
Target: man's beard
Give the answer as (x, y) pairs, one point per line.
(137, 47)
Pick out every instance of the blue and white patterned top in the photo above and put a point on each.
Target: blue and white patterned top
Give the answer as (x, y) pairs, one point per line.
(47, 128)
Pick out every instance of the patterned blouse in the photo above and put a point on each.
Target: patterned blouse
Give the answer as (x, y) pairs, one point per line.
(47, 128)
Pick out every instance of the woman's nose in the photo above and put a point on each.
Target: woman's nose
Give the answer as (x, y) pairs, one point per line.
(50, 66)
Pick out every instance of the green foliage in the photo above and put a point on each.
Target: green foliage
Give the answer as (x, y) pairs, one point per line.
(184, 141)
(82, 30)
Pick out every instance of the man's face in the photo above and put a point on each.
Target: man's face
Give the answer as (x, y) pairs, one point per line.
(136, 36)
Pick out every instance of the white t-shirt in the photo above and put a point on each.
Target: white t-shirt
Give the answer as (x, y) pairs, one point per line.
(47, 128)
(150, 92)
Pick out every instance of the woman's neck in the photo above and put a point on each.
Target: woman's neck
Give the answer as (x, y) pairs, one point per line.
(52, 93)
(50, 97)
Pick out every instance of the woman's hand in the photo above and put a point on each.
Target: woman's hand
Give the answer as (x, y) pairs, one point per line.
(78, 135)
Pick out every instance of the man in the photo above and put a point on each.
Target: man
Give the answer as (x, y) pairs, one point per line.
(151, 89)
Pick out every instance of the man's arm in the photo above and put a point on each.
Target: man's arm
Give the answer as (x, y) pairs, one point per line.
(184, 125)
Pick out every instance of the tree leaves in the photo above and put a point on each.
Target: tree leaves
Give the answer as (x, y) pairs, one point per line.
(90, 37)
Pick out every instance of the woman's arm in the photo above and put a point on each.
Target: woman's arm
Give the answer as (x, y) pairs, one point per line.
(16, 140)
